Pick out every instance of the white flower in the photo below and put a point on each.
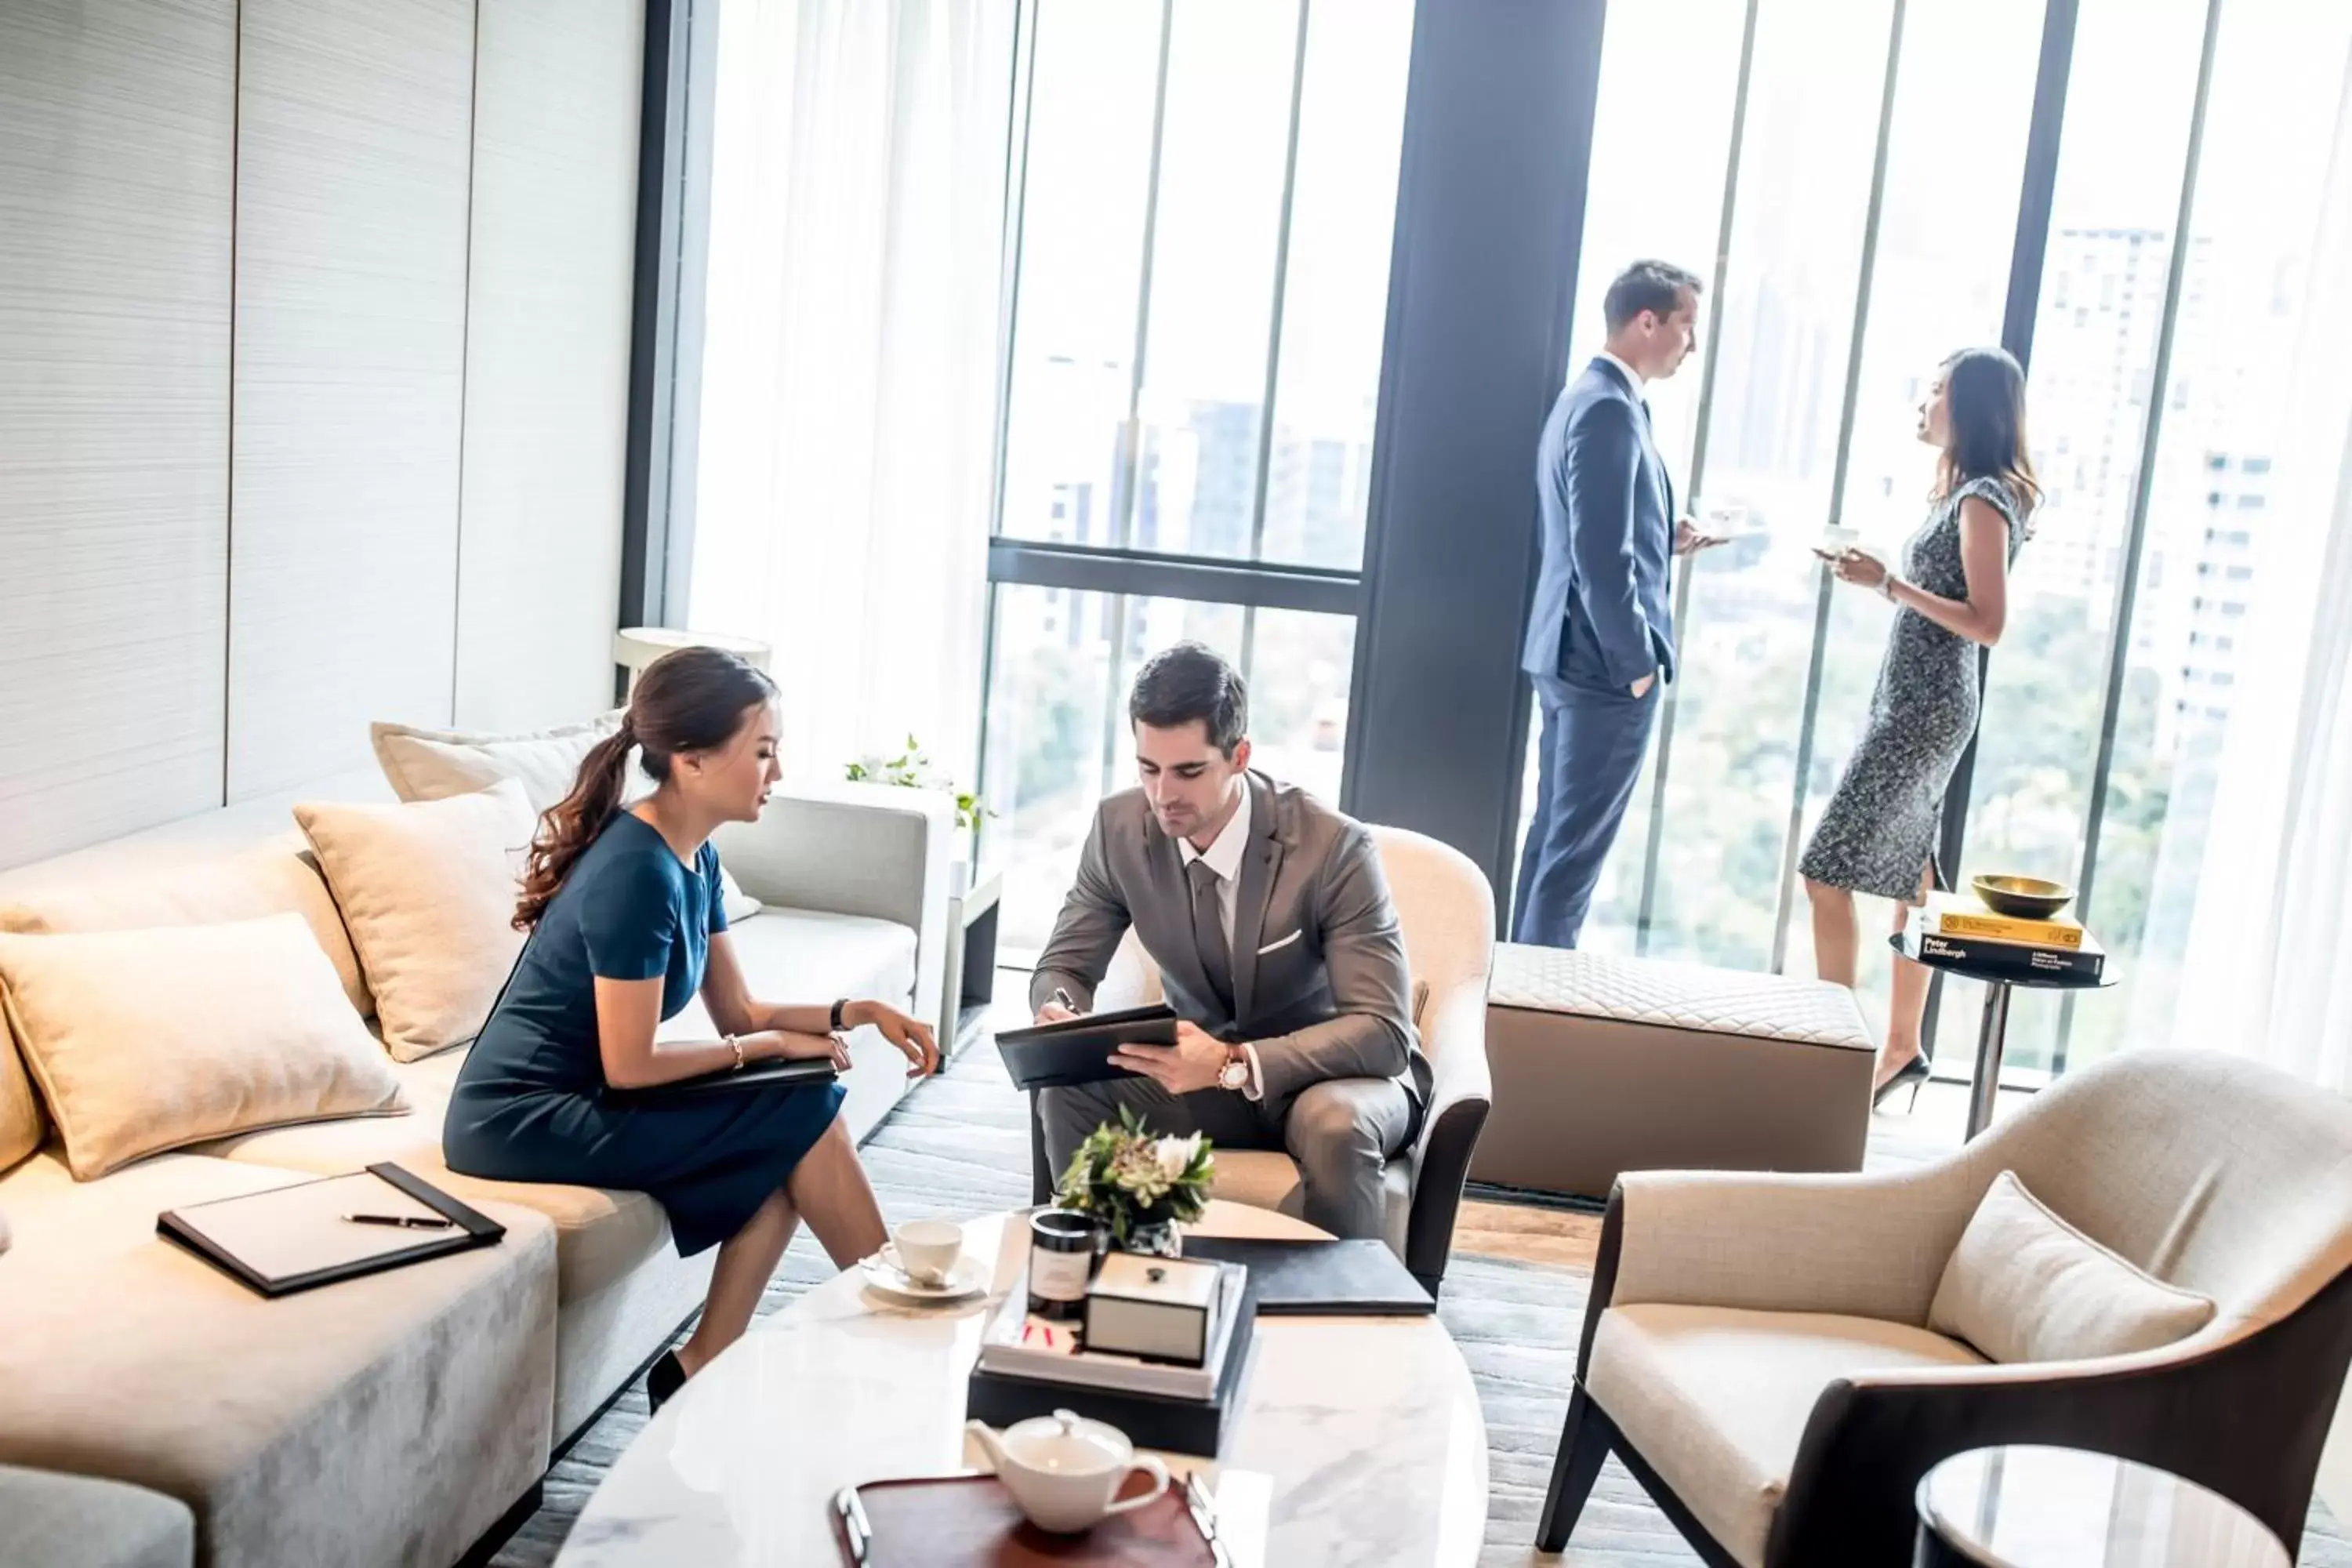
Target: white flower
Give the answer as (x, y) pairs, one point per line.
(1175, 1155)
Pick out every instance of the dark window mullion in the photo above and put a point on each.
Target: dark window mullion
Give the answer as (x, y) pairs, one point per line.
(2143, 489)
(1016, 200)
(1274, 328)
(1654, 846)
(1281, 287)
(1810, 720)
(1128, 482)
(2028, 252)
(1151, 575)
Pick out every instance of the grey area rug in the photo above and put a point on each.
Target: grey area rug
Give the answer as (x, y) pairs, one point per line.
(959, 1145)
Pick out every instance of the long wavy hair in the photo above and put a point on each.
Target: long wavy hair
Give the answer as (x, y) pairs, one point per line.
(691, 699)
(1986, 388)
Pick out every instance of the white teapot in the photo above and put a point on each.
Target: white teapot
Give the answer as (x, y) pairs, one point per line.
(1065, 1472)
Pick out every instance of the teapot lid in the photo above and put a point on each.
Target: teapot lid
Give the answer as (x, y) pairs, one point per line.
(1067, 1442)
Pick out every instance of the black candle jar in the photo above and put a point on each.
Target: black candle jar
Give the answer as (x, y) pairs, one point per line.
(1060, 1261)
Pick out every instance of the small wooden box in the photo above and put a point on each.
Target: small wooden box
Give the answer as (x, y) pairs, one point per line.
(1160, 1309)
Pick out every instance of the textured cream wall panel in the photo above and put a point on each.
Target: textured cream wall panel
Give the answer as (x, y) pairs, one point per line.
(115, 184)
(547, 358)
(355, 137)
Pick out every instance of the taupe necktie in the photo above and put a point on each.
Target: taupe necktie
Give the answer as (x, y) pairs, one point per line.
(1209, 933)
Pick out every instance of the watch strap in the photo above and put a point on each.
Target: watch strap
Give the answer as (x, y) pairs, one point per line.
(839, 1003)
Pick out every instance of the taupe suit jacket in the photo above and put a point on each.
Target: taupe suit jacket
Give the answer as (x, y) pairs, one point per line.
(1319, 978)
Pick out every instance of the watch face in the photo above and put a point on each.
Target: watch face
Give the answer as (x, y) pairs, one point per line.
(1234, 1074)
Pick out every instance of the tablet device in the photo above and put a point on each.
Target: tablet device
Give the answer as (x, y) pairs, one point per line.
(728, 1080)
(1078, 1051)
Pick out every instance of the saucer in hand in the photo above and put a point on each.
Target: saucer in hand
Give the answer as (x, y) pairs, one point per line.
(883, 1271)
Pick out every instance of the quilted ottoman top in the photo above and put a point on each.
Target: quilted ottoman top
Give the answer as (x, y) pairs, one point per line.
(1677, 995)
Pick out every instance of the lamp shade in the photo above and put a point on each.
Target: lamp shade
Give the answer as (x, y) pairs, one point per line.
(634, 647)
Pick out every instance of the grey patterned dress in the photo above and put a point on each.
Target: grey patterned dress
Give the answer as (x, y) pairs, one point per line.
(1880, 828)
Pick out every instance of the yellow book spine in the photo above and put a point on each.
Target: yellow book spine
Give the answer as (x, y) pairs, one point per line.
(2002, 927)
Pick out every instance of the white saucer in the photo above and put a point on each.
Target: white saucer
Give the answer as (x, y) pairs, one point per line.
(969, 1277)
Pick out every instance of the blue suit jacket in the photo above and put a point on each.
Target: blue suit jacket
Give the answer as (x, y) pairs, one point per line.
(1601, 615)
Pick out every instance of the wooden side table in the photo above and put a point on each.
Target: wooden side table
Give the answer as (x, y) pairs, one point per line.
(2050, 1508)
(970, 984)
(1992, 1036)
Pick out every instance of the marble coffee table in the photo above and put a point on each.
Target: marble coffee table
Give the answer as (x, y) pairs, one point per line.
(1361, 1440)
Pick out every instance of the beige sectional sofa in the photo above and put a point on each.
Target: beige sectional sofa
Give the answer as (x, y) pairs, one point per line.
(392, 1419)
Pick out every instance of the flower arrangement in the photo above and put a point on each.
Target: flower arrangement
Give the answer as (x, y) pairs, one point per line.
(1135, 1185)
(911, 769)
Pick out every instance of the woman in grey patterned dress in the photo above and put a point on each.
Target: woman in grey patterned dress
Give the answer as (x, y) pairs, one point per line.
(1878, 835)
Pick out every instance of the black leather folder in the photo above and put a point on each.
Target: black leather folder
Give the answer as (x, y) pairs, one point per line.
(728, 1080)
(283, 1239)
(1078, 1051)
(1321, 1278)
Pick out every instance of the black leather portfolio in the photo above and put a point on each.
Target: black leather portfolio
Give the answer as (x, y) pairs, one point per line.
(728, 1080)
(1321, 1278)
(1078, 1051)
(298, 1236)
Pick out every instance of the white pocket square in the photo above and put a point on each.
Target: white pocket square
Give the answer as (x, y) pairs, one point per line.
(1279, 946)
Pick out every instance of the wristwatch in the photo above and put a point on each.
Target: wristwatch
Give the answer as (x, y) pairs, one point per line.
(1235, 1074)
(835, 1027)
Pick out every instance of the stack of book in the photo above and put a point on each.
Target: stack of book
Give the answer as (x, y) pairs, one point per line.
(1033, 1366)
(1957, 930)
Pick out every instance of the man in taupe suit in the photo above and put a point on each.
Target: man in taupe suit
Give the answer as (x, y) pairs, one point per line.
(1278, 948)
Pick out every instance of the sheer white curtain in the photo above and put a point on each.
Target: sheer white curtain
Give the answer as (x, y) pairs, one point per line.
(2267, 970)
(844, 460)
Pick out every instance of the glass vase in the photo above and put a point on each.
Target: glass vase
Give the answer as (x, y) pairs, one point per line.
(1163, 1239)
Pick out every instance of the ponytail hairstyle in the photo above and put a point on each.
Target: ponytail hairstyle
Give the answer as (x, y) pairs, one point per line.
(689, 700)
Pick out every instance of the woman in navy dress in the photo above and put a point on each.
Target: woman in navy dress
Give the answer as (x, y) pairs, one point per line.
(627, 926)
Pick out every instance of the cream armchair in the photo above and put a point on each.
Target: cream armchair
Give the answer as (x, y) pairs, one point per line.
(1447, 910)
(1754, 1347)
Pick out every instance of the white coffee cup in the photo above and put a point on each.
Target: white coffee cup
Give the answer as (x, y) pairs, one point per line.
(928, 1249)
(1721, 516)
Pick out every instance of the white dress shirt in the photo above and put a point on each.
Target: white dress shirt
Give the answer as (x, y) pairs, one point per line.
(1223, 856)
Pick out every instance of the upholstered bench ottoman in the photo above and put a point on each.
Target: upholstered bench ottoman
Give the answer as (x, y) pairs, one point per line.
(1603, 1065)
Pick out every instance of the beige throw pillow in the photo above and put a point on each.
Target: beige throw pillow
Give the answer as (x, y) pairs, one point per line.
(2025, 1286)
(22, 1126)
(146, 1040)
(208, 888)
(428, 893)
(434, 765)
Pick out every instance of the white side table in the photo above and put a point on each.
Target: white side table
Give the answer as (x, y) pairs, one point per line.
(970, 984)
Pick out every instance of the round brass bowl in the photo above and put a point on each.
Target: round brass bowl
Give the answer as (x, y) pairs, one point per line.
(2025, 898)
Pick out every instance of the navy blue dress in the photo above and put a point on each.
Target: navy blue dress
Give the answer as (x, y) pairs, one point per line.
(529, 1105)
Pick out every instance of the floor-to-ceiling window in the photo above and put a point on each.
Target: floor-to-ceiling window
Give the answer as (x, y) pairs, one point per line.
(1848, 177)
(1203, 199)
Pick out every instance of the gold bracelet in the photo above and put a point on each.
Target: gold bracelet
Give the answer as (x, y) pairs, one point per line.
(737, 1047)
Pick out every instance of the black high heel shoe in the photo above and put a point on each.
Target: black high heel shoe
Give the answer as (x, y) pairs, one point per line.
(1913, 1072)
(664, 1378)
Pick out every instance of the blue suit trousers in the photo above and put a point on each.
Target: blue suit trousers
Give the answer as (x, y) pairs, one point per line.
(1593, 743)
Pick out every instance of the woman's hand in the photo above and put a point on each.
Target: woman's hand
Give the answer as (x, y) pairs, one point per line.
(786, 1044)
(1860, 567)
(913, 1039)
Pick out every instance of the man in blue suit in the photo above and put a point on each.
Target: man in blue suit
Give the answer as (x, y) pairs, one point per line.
(1601, 633)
